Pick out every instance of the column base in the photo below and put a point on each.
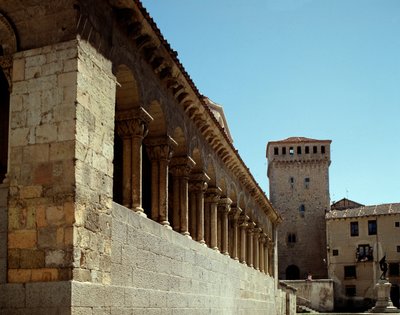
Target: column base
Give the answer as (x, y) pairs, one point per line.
(140, 212)
(216, 249)
(187, 234)
(225, 253)
(166, 225)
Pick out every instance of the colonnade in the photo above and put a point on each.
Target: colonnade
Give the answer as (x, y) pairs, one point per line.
(199, 211)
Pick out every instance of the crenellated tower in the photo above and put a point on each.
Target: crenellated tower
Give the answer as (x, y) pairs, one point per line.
(298, 172)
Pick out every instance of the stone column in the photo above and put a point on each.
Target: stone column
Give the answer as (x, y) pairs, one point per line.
(243, 224)
(212, 196)
(256, 244)
(198, 186)
(262, 252)
(234, 216)
(160, 151)
(192, 211)
(132, 127)
(224, 207)
(180, 169)
(250, 246)
(271, 246)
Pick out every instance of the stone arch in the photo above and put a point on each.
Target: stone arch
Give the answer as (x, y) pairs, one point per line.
(127, 92)
(125, 98)
(292, 272)
(242, 201)
(179, 137)
(197, 157)
(4, 124)
(8, 37)
(158, 126)
(222, 184)
(211, 173)
(233, 193)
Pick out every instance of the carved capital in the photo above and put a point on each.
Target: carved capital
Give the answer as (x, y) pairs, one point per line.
(243, 221)
(160, 148)
(198, 186)
(224, 205)
(257, 232)
(182, 165)
(133, 122)
(6, 65)
(235, 213)
(213, 194)
(263, 238)
(251, 227)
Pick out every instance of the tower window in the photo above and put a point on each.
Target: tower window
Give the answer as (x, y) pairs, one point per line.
(276, 151)
(372, 228)
(335, 252)
(307, 149)
(398, 248)
(292, 180)
(302, 210)
(298, 150)
(306, 182)
(353, 228)
(314, 149)
(397, 224)
(284, 151)
(291, 151)
(350, 272)
(322, 149)
(291, 238)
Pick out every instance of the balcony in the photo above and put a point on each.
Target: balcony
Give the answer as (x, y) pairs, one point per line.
(364, 253)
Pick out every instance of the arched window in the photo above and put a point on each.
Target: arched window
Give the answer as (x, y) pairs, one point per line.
(4, 118)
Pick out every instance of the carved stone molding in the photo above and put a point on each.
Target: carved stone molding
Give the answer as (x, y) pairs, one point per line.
(160, 148)
(8, 39)
(133, 122)
(182, 165)
(213, 194)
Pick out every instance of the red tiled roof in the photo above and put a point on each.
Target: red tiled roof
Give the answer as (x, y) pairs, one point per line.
(389, 208)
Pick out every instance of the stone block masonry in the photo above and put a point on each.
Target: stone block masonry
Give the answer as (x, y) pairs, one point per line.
(59, 140)
(41, 170)
(153, 271)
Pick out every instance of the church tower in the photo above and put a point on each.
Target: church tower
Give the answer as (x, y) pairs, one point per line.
(298, 172)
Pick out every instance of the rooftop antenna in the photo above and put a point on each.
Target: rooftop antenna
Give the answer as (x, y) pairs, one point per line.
(347, 193)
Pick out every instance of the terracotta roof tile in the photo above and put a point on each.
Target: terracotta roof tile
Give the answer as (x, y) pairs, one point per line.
(364, 211)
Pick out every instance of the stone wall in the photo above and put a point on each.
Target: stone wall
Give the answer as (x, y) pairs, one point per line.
(319, 293)
(41, 166)
(158, 270)
(154, 271)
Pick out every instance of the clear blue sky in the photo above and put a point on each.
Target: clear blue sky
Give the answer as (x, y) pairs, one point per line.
(325, 69)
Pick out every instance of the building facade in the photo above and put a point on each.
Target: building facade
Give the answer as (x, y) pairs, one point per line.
(298, 172)
(121, 189)
(358, 238)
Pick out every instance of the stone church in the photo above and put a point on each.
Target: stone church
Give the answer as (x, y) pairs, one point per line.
(121, 191)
